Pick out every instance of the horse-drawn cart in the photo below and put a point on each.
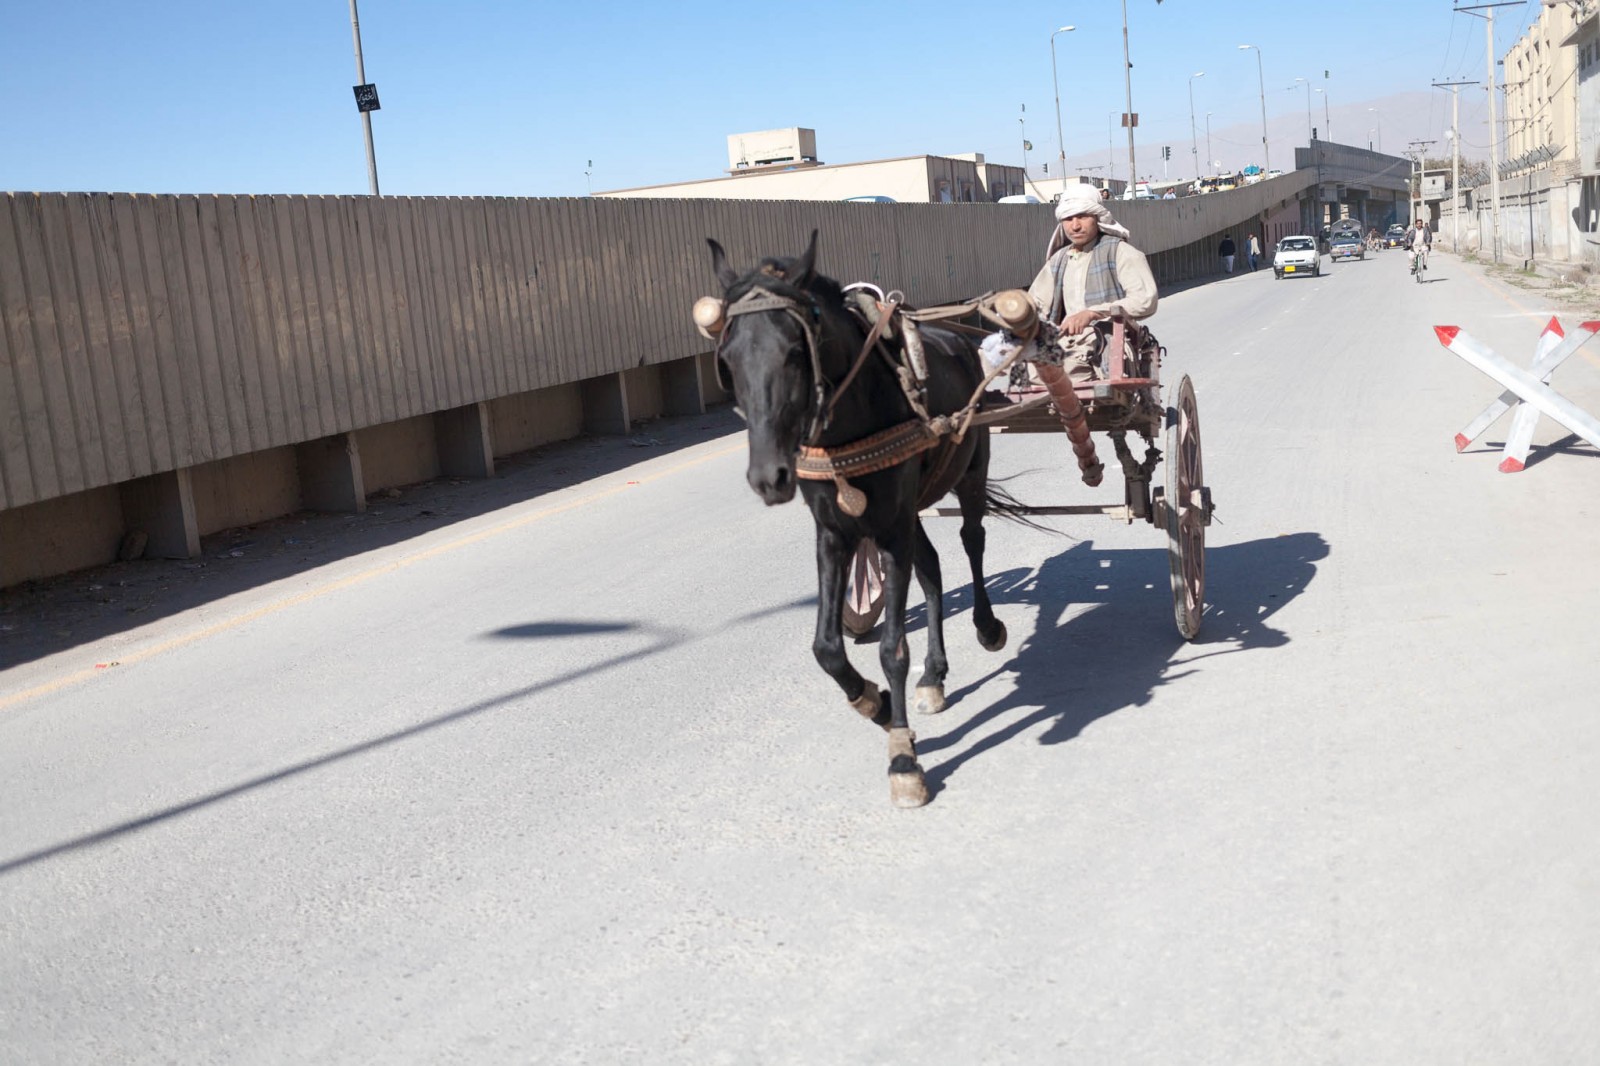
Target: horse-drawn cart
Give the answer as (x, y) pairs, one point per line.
(1125, 397)
(873, 412)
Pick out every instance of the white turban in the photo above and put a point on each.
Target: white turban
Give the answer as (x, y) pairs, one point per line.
(1081, 199)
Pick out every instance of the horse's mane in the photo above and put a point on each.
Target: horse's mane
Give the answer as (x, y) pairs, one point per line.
(828, 293)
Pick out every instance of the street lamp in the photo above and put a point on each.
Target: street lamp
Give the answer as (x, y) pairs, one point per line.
(365, 106)
(1266, 156)
(1327, 123)
(1209, 162)
(1061, 147)
(1370, 132)
(1379, 121)
(1127, 85)
(1308, 107)
(1111, 158)
(1194, 141)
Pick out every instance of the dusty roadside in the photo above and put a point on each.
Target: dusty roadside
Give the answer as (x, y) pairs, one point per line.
(40, 618)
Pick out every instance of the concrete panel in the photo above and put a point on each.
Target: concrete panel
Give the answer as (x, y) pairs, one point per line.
(398, 453)
(681, 393)
(605, 405)
(330, 474)
(59, 535)
(529, 419)
(160, 509)
(245, 489)
(646, 399)
(711, 390)
(463, 439)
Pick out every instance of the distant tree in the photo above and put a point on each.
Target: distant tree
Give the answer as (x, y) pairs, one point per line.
(1474, 172)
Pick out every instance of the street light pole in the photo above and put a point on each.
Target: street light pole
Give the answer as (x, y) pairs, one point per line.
(1494, 123)
(1379, 121)
(1194, 140)
(1309, 127)
(1455, 159)
(1210, 162)
(1061, 146)
(1127, 83)
(366, 116)
(1111, 156)
(1266, 153)
(1327, 123)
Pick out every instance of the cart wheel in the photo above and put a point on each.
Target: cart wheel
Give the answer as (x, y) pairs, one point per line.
(863, 590)
(1187, 511)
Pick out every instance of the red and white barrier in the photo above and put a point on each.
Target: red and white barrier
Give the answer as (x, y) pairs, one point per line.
(1528, 391)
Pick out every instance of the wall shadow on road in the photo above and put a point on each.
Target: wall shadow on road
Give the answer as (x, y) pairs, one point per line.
(51, 615)
(660, 640)
(1105, 639)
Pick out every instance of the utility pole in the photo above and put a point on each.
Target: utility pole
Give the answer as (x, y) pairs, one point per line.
(1494, 123)
(366, 100)
(1455, 159)
(1131, 119)
(1419, 149)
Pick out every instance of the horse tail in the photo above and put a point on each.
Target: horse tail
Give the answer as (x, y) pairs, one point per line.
(1002, 504)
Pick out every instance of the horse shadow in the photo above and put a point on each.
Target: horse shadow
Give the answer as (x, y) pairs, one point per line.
(1080, 665)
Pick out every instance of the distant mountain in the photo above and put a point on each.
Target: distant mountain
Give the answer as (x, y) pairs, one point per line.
(1389, 124)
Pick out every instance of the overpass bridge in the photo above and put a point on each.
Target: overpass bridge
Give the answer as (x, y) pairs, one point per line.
(174, 365)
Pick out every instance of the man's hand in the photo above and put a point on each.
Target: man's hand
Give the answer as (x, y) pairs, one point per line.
(1077, 323)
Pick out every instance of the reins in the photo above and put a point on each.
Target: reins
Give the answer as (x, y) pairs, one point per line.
(898, 443)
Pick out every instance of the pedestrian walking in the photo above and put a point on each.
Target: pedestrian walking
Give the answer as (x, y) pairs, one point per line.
(1226, 250)
(1253, 247)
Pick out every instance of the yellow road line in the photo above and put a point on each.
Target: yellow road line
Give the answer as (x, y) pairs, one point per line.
(77, 676)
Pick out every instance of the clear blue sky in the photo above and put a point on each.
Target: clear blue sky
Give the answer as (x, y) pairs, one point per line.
(493, 97)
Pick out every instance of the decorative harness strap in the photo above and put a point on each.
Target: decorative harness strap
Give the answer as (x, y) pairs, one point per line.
(898, 443)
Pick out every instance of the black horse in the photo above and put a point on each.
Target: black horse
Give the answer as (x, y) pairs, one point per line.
(788, 346)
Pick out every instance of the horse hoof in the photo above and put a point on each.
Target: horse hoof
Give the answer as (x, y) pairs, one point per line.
(906, 785)
(869, 703)
(908, 790)
(929, 700)
(999, 640)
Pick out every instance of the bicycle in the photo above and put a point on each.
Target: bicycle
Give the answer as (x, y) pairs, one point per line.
(1419, 263)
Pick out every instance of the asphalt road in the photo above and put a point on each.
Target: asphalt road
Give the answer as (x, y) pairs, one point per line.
(549, 774)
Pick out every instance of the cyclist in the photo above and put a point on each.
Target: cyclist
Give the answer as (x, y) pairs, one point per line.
(1419, 240)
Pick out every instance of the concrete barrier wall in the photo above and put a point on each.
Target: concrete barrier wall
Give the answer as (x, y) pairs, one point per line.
(140, 334)
(175, 365)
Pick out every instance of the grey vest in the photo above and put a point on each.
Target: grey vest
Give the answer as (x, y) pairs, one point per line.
(1100, 284)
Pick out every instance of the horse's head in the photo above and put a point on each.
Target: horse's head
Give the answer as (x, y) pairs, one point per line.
(767, 335)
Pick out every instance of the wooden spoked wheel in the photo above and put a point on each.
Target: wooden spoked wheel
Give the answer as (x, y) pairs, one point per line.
(863, 590)
(1188, 511)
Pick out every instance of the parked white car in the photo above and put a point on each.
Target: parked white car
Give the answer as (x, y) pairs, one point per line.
(1296, 255)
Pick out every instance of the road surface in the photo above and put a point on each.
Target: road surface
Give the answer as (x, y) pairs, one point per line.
(543, 770)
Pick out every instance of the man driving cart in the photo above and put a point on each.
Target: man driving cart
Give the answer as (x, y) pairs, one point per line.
(1092, 273)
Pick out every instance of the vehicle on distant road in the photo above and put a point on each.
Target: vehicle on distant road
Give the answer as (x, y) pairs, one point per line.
(870, 199)
(1296, 255)
(1394, 236)
(1347, 244)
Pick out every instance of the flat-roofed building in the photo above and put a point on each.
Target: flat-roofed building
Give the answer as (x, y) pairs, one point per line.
(783, 165)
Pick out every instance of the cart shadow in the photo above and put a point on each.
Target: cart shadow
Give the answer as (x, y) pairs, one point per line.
(1105, 640)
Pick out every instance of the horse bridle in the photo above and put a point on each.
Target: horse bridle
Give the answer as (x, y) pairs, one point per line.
(758, 300)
